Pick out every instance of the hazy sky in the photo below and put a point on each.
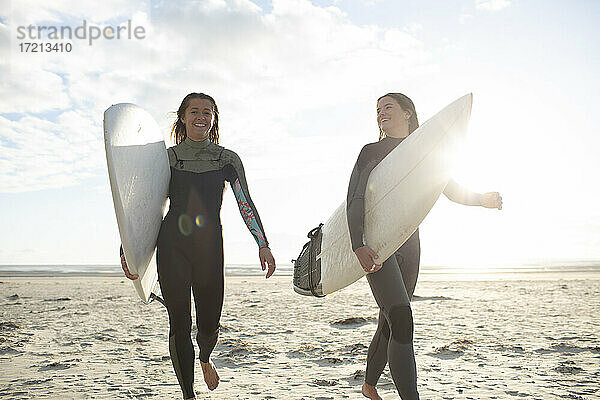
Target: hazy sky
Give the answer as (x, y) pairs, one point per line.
(296, 83)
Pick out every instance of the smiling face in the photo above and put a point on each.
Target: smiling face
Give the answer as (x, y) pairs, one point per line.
(198, 119)
(392, 118)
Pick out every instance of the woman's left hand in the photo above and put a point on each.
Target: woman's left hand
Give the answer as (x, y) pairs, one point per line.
(267, 260)
(491, 200)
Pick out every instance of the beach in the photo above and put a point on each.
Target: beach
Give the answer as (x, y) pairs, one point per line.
(533, 336)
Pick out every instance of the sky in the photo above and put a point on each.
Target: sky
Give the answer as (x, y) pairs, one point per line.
(296, 83)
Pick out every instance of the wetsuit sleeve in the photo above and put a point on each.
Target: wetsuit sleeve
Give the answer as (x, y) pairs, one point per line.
(461, 195)
(234, 174)
(355, 201)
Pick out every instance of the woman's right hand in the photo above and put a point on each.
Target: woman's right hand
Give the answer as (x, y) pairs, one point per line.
(368, 259)
(126, 269)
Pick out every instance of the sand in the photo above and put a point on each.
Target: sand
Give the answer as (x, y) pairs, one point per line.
(91, 338)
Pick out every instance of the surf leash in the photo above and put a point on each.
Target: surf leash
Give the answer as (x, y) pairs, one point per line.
(157, 298)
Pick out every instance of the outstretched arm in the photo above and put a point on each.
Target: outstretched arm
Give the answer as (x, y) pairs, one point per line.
(461, 195)
(234, 173)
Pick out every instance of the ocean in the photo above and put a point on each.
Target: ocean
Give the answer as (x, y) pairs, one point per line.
(427, 272)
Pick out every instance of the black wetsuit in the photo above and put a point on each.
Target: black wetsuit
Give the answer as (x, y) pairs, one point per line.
(392, 286)
(190, 247)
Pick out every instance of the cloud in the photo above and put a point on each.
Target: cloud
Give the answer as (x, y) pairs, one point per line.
(463, 18)
(297, 71)
(492, 5)
(413, 28)
(31, 89)
(57, 11)
(39, 154)
(370, 2)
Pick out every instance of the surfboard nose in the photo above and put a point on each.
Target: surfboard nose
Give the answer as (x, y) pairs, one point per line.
(126, 124)
(469, 102)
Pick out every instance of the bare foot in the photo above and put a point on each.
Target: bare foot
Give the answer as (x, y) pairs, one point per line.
(210, 375)
(370, 392)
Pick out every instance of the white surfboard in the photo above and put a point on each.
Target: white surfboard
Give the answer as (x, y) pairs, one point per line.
(139, 173)
(401, 190)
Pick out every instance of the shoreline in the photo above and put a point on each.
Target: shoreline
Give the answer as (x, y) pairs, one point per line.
(452, 275)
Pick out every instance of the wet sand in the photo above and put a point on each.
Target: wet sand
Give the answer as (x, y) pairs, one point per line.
(69, 337)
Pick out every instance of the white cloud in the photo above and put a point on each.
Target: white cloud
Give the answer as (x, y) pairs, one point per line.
(371, 2)
(492, 5)
(57, 11)
(39, 154)
(31, 89)
(464, 18)
(413, 28)
(272, 74)
(4, 43)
